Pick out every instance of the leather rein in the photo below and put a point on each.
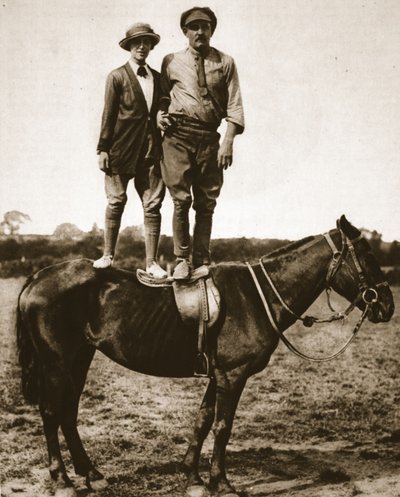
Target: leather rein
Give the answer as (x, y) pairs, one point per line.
(367, 294)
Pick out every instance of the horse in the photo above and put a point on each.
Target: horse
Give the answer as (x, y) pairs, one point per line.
(67, 311)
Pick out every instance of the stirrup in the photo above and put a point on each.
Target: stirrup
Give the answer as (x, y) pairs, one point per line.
(202, 364)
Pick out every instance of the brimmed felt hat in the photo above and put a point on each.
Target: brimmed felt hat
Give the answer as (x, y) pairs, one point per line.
(136, 30)
(199, 14)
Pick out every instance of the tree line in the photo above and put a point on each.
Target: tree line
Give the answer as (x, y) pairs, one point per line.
(21, 255)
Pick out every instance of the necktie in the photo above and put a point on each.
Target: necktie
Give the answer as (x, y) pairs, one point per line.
(201, 76)
(142, 72)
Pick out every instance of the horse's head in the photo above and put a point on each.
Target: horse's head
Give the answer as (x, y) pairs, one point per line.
(355, 274)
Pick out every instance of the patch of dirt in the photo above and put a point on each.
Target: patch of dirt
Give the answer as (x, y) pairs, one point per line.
(318, 469)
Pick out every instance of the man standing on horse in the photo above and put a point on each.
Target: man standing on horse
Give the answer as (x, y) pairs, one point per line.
(130, 145)
(200, 87)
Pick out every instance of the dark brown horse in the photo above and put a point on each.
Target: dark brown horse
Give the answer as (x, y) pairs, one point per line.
(67, 311)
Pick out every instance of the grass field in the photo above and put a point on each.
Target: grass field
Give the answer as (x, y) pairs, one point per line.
(306, 430)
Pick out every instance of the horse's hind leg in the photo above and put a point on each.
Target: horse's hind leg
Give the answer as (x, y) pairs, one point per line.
(82, 464)
(195, 485)
(54, 385)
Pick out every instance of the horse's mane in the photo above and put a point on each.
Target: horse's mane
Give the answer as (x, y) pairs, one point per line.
(289, 247)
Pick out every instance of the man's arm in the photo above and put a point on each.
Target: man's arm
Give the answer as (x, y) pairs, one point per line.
(108, 121)
(163, 119)
(234, 116)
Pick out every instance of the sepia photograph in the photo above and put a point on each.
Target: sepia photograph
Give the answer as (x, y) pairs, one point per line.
(200, 248)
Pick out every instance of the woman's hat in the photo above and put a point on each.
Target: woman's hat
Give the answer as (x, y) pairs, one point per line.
(199, 14)
(137, 30)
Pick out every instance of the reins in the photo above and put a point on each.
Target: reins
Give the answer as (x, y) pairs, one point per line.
(367, 294)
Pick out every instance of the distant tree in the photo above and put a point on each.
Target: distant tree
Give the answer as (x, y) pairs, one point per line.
(12, 221)
(394, 253)
(133, 232)
(375, 240)
(68, 231)
(95, 231)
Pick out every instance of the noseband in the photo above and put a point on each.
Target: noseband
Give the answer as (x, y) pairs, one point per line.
(367, 294)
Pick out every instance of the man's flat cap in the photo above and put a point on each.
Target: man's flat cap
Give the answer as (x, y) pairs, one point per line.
(199, 14)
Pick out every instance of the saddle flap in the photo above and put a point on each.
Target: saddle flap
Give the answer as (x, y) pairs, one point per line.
(198, 300)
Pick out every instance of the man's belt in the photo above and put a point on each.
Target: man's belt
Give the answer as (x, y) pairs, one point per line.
(181, 120)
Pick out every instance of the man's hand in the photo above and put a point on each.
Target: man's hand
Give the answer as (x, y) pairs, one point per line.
(225, 154)
(164, 121)
(103, 162)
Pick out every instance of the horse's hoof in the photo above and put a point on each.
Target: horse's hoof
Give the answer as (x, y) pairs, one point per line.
(95, 480)
(66, 492)
(196, 491)
(97, 485)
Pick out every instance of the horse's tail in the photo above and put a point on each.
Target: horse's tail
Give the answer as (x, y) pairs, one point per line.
(26, 355)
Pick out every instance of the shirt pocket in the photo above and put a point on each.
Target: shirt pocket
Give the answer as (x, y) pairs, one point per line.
(215, 76)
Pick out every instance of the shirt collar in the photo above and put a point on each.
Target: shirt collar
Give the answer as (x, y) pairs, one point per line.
(135, 66)
(195, 53)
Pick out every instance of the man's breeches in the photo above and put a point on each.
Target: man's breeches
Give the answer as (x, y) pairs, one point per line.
(190, 166)
(151, 190)
(149, 186)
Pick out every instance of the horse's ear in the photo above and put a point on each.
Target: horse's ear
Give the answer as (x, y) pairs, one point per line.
(348, 229)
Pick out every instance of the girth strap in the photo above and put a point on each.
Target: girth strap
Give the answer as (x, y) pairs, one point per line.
(202, 367)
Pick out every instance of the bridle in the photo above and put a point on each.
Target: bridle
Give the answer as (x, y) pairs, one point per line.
(367, 294)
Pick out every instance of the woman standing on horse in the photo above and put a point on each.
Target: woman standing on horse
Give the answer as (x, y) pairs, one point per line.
(130, 145)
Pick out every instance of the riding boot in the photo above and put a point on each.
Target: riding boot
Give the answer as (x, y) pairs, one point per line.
(180, 226)
(201, 239)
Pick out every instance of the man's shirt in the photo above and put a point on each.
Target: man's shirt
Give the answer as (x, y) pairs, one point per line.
(147, 83)
(182, 94)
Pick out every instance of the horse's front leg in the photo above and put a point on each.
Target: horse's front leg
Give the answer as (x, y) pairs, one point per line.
(195, 485)
(229, 387)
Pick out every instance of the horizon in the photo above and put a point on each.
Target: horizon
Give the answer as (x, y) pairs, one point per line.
(363, 229)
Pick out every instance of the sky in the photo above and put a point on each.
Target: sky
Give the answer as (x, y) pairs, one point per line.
(320, 81)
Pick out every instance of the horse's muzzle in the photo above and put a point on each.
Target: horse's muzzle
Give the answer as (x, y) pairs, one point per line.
(382, 309)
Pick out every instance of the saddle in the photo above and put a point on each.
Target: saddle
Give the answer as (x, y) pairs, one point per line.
(198, 301)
